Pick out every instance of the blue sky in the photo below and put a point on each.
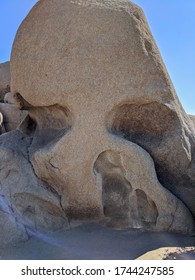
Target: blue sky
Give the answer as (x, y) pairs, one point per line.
(172, 23)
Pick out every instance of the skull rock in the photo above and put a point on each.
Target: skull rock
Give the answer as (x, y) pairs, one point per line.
(108, 134)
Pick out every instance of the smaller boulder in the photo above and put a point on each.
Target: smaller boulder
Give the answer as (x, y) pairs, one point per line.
(8, 98)
(5, 79)
(11, 116)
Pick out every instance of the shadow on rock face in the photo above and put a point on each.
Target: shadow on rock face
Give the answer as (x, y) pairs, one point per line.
(94, 242)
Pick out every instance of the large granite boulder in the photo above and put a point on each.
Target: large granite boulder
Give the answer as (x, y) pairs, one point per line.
(106, 134)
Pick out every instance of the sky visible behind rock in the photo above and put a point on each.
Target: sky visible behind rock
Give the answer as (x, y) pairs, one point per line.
(172, 24)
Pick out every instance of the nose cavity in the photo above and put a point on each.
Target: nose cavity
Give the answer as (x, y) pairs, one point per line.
(116, 189)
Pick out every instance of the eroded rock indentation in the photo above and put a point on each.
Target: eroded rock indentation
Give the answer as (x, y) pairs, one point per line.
(115, 187)
(156, 127)
(147, 209)
(37, 213)
(142, 123)
(46, 124)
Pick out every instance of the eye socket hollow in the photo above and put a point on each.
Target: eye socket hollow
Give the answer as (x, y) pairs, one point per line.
(142, 123)
(46, 124)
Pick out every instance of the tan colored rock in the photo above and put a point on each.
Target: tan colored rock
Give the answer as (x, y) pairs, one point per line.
(4, 79)
(170, 253)
(103, 116)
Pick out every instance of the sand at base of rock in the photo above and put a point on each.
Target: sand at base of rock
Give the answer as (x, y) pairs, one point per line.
(170, 253)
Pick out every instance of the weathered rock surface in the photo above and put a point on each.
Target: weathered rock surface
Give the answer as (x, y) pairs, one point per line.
(4, 79)
(108, 135)
(8, 98)
(12, 117)
(28, 200)
(192, 118)
(11, 231)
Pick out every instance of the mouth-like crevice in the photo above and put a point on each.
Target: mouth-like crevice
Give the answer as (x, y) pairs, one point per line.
(132, 196)
(122, 205)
